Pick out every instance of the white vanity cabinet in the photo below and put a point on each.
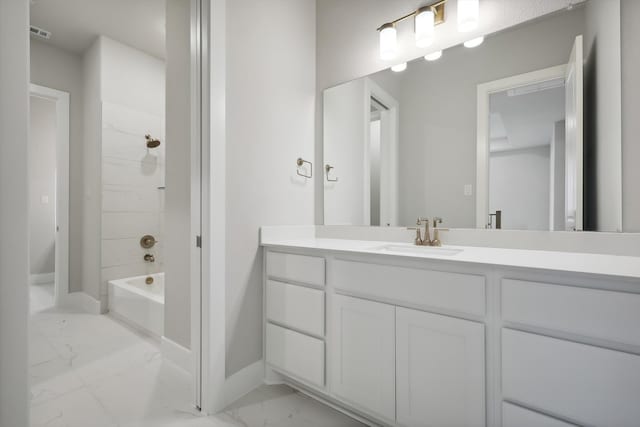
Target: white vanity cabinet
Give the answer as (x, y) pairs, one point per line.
(362, 354)
(408, 342)
(440, 370)
(295, 316)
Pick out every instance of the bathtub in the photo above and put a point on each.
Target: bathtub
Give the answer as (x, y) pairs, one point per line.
(138, 303)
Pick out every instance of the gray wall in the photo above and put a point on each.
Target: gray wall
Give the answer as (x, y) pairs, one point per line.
(14, 251)
(177, 309)
(42, 179)
(92, 188)
(270, 102)
(58, 69)
(630, 11)
(510, 172)
(602, 117)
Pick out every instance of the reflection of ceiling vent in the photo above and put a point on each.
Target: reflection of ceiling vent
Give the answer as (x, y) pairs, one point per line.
(39, 32)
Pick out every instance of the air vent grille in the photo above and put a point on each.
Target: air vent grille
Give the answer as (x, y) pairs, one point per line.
(39, 32)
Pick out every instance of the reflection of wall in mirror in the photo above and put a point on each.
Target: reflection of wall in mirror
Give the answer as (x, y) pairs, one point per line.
(519, 187)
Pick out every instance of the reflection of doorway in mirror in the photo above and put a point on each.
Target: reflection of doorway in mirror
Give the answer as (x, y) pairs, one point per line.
(524, 124)
(377, 110)
(530, 149)
(361, 144)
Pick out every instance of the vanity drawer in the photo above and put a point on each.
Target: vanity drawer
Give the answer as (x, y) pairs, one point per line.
(296, 306)
(591, 385)
(296, 354)
(456, 292)
(608, 315)
(516, 416)
(298, 268)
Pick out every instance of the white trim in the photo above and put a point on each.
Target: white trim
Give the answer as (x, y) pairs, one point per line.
(388, 169)
(213, 128)
(482, 159)
(81, 301)
(176, 354)
(62, 187)
(243, 382)
(196, 205)
(41, 279)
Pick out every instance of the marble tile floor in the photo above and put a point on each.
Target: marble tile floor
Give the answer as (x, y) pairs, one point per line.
(93, 371)
(41, 297)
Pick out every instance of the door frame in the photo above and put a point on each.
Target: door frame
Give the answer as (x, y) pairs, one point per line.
(208, 154)
(62, 101)
(389, 136)
(485, 90)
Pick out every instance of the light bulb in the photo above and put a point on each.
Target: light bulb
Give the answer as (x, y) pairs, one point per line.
(433, 56)
(468, 13)
(399, 67)
(474, 42)
(388, 42)
(424, 26)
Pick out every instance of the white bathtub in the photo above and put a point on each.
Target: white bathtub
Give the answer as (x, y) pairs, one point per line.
(135, 302)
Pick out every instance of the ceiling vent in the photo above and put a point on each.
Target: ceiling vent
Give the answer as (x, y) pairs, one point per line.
(39, 32)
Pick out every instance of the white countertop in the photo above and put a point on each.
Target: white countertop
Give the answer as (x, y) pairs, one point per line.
(609, 265)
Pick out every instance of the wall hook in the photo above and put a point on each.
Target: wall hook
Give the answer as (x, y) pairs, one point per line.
(300, 162)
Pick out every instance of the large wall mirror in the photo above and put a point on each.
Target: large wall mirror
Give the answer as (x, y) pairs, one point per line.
(522, 132)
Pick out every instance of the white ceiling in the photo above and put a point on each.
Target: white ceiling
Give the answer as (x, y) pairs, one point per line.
(525, 120)
(75, 24)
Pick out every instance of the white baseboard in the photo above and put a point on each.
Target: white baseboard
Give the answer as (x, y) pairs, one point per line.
(177, 354)
(41, 279)
(243, 382)
(81, 301)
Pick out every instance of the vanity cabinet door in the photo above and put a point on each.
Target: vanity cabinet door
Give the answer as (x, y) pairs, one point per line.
(362, 355)
(440, 370)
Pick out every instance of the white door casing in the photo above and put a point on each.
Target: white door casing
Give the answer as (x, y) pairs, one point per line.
(61, 100)
(574, 139)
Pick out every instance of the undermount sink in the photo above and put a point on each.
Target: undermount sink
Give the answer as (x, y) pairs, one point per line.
(419, 250)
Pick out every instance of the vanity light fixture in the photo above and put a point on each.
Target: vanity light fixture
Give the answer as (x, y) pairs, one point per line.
(474, 42)
(399, 67)
(425, 22)
(468, 15)
(424, 19)
(388, 41)
(433, 56)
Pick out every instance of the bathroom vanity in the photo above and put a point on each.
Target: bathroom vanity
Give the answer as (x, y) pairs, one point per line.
(460, 336)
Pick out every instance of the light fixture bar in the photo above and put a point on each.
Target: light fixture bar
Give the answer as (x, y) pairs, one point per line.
(425, 19)
(438, 10)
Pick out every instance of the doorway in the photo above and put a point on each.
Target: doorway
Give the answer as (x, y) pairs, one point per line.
(49, 196)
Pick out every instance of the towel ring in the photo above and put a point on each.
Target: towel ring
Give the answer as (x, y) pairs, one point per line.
(300, 162)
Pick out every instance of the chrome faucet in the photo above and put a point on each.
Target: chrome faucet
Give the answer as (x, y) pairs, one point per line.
(149, 258)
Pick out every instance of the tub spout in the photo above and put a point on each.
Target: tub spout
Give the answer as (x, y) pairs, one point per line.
(149, 258)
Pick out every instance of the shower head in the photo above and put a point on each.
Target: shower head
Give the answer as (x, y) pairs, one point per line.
(152, 142)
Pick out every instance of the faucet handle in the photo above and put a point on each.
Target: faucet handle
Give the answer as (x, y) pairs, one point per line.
(436, 220)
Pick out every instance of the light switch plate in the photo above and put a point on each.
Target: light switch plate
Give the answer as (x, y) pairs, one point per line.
(468, 189)
(44, 200)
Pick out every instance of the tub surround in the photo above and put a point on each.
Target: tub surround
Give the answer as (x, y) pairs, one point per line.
(485, 337)
(139, 303)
